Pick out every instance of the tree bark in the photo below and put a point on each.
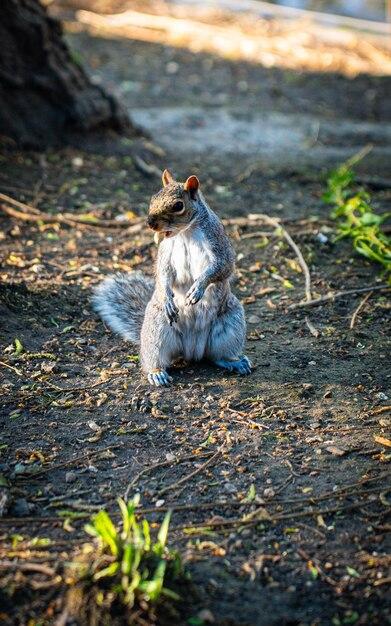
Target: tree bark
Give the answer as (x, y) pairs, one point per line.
(45, 96)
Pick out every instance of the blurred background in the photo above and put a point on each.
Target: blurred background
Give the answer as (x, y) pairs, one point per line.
(285, 80)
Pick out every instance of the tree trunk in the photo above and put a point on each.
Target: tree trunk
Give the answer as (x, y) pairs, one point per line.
(45, 96)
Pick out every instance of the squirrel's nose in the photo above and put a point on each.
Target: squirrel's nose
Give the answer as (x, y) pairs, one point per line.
(152, 221)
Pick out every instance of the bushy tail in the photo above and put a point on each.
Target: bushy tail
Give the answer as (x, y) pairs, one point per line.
(121, 300)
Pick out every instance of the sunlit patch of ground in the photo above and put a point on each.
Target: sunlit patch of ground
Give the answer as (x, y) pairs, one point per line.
(300, 44)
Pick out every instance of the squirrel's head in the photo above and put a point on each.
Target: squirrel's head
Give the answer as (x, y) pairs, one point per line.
(172, 208)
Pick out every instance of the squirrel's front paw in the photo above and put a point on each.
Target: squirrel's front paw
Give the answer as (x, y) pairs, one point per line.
(195, 293)
(171, 311)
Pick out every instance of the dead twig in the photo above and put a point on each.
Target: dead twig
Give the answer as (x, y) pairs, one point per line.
(276, 224)
(273, 518)
(198, 470)
(11, 367)
(303, 554)
(78, 459)
(314, 331)
(149, 169)
(28, 213)
(337, 294)
(27, 567)
(150, 468)
(358, 309)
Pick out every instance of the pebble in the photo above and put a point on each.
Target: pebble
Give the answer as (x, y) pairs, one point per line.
(269, 492)
(70, 477)
(172, 67)
(253, 319)
(21, 508)
(77, 162)
(230, 488)
(206, 616)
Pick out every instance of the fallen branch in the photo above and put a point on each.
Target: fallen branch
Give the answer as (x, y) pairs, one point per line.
(184, 479)
(149, 169)
(314, 331)
(11, 367)
(150, 468)
(234, 522)
(358, 309)
(76, 460)
(337, 294)
(28, 213)
(276, 224)
(27, 567)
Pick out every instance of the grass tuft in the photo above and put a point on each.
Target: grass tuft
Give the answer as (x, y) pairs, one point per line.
(125, 569)
(356, 218)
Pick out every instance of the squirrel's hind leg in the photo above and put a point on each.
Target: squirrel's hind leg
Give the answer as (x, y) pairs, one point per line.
(226, 339)
(159, 345)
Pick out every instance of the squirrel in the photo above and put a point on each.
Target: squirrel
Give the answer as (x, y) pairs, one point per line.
(189, 311)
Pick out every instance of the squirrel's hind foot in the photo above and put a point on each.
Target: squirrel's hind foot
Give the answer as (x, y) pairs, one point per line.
(242, 366)
(159, 378)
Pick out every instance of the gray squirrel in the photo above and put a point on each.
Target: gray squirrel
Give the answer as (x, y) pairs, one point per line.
(189, 310)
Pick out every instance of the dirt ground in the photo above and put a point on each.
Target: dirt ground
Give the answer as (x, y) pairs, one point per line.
(299, 438)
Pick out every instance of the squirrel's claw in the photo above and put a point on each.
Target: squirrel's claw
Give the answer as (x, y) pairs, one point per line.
(159, 378)
(242, 366)
(194, 294)
(171, 311)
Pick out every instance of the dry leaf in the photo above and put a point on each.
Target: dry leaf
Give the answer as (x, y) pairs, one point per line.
(336, 451)
(382, 440)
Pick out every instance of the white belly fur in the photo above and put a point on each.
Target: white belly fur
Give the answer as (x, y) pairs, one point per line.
(190, 258)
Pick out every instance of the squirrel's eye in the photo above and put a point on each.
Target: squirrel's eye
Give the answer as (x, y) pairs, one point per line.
(178, 207)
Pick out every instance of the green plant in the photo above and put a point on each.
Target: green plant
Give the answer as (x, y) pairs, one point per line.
(355, 216)
(129, 567)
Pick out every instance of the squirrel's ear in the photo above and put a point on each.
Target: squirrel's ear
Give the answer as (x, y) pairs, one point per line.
(191, 185)
(167, 178)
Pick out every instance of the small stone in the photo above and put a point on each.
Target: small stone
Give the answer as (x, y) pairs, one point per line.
(230, 488)
(322, 238)
(335, 451)
(94, 426)
(159, 503)
(77, 162)
(47, 367)
(70, 477)
(20, 468)
(38, 268)
(381, 396)
(311, 362)
(269, 492)
(172, 67)
(306, 390)
(206, 616)
(253, 319)
(21, 508)
(242, 86)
